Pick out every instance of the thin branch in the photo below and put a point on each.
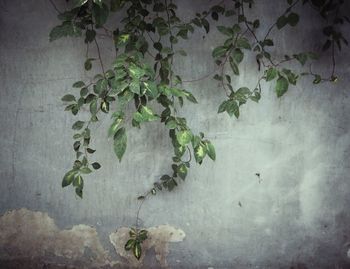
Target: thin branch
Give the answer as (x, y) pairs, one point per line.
(333, 60)
(99, 56)
(139, 209)
(87, 50)
(55, 7)
(201, 78)
(270, 29)
(190, 154)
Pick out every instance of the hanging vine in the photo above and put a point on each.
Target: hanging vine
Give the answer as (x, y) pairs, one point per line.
(142, 73)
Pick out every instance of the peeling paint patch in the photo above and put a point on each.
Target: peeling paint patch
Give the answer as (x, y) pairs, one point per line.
(29, 234)
(159, 238)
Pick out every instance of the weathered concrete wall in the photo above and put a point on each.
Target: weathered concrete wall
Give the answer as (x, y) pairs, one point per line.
(296, 216)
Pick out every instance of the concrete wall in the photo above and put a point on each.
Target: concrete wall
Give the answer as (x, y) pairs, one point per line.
(297, 216)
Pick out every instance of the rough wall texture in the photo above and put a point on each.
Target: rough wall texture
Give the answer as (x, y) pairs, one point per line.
(296, 216)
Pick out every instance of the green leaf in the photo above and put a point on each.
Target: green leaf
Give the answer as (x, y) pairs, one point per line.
(148, 114)
(234, 67)
(171, 124)
(135, 87)
(100, 13)
(68, 98)
(143, 233)
(293, 19)
(145, 114)
(120, 142)
(195, 141)
(313, 55)
(96, 165)
(78, 181)
(225, 30)
(217, 77)
(243, 43)
(93, 107)
(199, 153)
(98, 2)
(222, 107)
(302, 58)
(129, 245)
(211, 151)
(105, 106)
(79, 3)
(256, 97)
(79, 192)
(232, 108)
(268, 42)
(67, 28)
(230, 13)
(184, 137)
(292, 78)
(242, 93)
(76, 136)
(317, 79)
(114, 127)
(158, 46)
(78, 84)
(101, 86)
(256, 23)
(191, 98)
(76, 145)
(116, 5)
(182, 52)
(118, 86)
(85, 170)
(281, 86)
(236, 28)
(271, 73)
(84, 91)
(205, 24)
(90, 35)
(68, 178)
(137, 250)
(89, 150)
(88, 64)
(281, 21)
(182, 171)
(237, 55)
(78, 125)
(219, 51)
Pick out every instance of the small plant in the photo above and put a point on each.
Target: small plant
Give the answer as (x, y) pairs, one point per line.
(135, 241)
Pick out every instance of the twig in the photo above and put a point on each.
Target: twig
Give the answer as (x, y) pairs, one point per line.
(333, 60)
(139, 209)
(201, 78)
(55, 7)
(99, 56)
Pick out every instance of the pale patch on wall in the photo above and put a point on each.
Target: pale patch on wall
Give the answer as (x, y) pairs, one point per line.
(159, 238)
(34, 235)
(29, 234)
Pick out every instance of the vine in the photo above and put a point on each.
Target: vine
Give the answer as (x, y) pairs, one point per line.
(142, 73)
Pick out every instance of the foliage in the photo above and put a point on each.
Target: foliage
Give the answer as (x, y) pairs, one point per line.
(145, 43)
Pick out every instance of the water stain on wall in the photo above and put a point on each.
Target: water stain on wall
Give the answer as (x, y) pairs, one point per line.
(28, 234)
(33, 236)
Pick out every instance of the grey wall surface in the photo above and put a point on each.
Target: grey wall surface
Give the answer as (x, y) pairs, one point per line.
(296, 216)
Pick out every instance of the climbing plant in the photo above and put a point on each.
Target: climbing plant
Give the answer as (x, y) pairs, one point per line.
(141, 75)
